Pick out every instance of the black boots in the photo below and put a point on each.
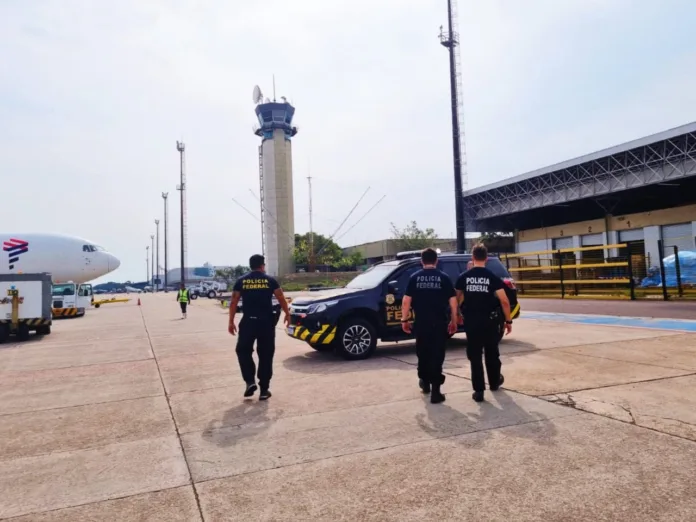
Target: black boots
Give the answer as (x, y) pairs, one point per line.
(436, 397)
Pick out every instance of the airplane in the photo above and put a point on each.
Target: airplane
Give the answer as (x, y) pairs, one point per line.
(66, 258)
(134, 290)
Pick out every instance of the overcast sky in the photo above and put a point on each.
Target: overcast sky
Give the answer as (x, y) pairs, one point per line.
(94, 95)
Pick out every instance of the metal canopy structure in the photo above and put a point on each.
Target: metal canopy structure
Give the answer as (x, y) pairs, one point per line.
(666, 159)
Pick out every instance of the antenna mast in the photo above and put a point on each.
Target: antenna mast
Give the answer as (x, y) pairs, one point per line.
(182, 189)
(450, 40)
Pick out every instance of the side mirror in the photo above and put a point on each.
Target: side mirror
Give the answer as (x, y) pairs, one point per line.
(392, 287)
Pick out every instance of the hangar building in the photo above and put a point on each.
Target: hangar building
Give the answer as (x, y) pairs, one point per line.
(636, 193)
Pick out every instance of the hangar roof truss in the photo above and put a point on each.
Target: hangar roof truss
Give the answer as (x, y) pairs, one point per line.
(637, 165)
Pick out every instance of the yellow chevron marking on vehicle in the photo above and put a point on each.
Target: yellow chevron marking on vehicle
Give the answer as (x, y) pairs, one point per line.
(330, 337)
(315, 337)
(515, 311)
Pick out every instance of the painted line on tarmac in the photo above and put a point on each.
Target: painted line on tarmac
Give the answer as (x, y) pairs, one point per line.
(610, 320)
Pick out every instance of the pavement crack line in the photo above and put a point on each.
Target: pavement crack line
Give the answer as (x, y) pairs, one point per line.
(171, 413)
(566, 399)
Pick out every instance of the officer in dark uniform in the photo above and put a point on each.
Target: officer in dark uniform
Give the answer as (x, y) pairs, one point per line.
(481, 292)
(431, 294)
(257, 290)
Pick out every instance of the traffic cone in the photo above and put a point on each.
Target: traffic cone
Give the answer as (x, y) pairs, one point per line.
(138, 301)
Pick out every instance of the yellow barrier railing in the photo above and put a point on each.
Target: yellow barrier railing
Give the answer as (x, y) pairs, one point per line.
(567, 273)
(562, 251)
(565, 267)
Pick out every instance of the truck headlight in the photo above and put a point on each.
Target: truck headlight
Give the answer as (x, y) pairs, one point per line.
(319, 307)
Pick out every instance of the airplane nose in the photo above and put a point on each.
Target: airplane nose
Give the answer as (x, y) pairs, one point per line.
(114, 263)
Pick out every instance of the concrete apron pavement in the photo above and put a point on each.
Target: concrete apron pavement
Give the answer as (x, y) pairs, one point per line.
(595, 422)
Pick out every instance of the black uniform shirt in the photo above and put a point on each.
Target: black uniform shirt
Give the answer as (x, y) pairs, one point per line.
(430, 290)
(479, 286)
(256, 289)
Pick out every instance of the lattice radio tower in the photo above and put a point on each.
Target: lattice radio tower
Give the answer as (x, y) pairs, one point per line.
(450, 40)
(182, 190)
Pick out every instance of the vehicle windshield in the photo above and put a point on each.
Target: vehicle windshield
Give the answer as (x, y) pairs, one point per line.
(68, 289)
(373, 276)
(92, 248)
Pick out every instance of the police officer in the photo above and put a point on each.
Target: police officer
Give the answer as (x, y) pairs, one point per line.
(430, 292)
(482, 292)
(257, 290)
(182, 296)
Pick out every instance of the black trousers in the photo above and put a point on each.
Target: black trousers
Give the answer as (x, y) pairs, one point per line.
(261, 331)
(431, 339)
(183, 306)
(483, 344)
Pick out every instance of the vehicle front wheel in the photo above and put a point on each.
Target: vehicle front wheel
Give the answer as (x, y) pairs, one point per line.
(4, 333)
(211, 294)
(194, 297)
(357, 339)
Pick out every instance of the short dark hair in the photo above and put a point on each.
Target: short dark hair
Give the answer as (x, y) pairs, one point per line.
(429, 256)
(480, 252)
(256, 261)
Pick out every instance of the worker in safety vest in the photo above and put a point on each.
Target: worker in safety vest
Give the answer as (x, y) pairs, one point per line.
(182, 296)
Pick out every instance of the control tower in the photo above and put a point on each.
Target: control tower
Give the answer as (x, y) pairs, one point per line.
(275, 175)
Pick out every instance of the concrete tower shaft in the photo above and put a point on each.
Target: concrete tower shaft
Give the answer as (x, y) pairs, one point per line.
(276, 130)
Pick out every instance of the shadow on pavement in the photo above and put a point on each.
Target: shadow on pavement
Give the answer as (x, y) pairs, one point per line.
(245, 420)
(313, 362)
(442, 420)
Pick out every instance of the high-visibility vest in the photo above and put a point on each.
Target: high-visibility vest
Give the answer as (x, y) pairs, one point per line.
(183, 296)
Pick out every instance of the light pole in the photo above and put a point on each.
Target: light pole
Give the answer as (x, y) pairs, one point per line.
(180, 147)
(147, 263)
(166, 265)
(152, 271)
(157, 261)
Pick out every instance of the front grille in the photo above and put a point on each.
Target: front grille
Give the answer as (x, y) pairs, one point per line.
(57, 304)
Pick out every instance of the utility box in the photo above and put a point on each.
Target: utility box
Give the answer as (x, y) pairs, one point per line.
(25, 305)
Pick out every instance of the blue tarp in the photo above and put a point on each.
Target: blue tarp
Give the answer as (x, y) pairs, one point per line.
(687, 269)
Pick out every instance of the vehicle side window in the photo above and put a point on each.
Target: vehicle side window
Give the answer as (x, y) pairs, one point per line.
(452, 268)
(496, 266)
(402, 279)
(85, 248)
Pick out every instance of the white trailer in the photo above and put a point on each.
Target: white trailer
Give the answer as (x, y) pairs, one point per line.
(25, 305)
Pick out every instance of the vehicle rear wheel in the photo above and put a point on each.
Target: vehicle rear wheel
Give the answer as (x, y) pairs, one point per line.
(501, 329)
(357, 339)
(23, 331)
(43, 330)
(211, 294)
(194, 297)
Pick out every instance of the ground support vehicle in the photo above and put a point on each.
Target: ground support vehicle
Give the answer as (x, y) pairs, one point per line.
(209, 289)
(71, 300)
(351, 320)
(25, 305)
(98, 302)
